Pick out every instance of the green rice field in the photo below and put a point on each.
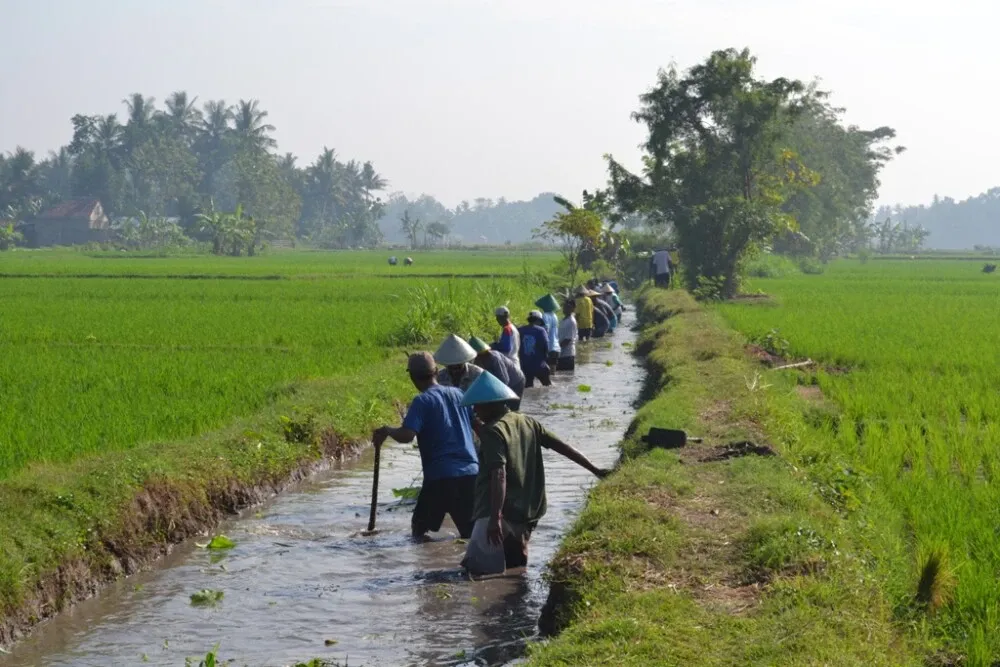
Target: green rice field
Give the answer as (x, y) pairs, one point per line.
(909, 418)
(94, 360)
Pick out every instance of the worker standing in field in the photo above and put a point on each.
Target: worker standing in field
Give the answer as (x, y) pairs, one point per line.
(659, 266)
(502, 367)
(602, 323)
(584, 312)
(510, 487)
(568, 331)
(509, 342)
(443, 429)
(549, 307)
(456, 356)
(611, 297)
(535, 351)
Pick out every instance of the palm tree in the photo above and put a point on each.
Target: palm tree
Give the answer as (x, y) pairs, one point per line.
(141, 111)
(181, 116)
(372, 181)
(212, 142)
(250, 127)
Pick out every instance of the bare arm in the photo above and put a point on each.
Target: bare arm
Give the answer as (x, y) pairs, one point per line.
(498, 495)
(401, 434)
(574, 455)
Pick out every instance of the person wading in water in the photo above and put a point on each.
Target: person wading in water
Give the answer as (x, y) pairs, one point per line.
(456, 356)
(443, 429)
(510, 488)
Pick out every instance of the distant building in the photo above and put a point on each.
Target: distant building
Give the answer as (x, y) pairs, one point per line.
(73, 222)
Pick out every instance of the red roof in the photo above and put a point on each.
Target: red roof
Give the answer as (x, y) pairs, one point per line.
(71, 208)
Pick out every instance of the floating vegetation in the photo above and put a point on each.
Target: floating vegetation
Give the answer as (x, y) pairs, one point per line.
(217, 542)
(330, 642)
(206, 597)
(609, 363)
(408, 493)
(585, 388)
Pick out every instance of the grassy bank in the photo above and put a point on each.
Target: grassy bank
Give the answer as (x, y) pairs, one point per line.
(708, 555)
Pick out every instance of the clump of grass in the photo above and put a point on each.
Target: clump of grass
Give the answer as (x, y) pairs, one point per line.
(936, 585)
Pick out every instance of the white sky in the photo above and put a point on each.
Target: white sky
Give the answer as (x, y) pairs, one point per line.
(467, 98)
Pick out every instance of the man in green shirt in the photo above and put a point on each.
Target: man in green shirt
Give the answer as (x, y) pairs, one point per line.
(510, 487)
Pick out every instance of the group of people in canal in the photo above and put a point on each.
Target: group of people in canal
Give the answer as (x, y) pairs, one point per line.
(481, 457)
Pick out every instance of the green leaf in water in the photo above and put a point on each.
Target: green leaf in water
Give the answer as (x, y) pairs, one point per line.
(583, 387)
(609, 363)
(409, 493)
(217, 542)
(206, 596)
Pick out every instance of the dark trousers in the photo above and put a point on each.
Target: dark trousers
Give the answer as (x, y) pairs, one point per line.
(566, 364)
(453, 495)
(662, 280)
(543, 373)
(584, 334)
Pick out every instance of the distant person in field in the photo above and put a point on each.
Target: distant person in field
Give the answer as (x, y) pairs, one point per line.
(535, 351)
(602, 324)
(584, 312)
(456, 356)
(550, 307)
(659, 267)
(610, 292)
(509, 342)
(510, 488)
(568, 331)
(443, 429)
(601, 305)
(502, 367)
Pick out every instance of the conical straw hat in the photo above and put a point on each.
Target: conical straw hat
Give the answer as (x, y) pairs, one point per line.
(454, 351)
(478, 344)
(548, 303)
(487, 389)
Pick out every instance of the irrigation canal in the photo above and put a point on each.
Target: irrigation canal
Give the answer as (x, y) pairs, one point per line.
(302, 583)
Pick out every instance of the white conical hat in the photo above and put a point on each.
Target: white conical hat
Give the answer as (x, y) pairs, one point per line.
(487, 389)
(454, 351)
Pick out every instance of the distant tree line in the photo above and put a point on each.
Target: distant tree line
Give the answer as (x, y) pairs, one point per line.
(950, 224)
(734, 163)
(188, 162)
(425, 221)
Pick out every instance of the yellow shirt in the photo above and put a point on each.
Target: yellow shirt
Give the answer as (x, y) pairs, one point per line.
(584, 312)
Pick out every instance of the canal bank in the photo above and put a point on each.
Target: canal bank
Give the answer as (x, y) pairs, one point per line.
(734, 551)
(302, 583)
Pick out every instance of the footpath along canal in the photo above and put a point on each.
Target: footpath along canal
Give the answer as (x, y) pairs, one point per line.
(302, 583)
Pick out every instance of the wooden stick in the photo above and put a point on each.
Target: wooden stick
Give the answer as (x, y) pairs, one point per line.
(371, 517)
(801, 364)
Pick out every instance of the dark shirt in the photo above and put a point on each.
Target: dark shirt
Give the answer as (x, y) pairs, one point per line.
(505, 369)
(534, 348)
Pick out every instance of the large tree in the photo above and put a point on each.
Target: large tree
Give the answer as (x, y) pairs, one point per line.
(715, 166)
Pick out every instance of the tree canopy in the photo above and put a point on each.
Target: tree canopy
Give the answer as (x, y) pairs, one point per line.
(733, 162)
(184, 160)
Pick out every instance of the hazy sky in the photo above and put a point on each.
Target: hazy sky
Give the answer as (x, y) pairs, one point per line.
(468, 98)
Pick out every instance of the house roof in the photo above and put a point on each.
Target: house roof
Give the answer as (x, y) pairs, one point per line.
(71, 208)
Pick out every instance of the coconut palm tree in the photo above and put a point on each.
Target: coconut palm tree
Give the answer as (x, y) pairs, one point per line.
(139, 127)
(181, 117)
(251, 129)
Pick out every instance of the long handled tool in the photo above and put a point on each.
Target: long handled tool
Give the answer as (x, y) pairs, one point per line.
(371, 517)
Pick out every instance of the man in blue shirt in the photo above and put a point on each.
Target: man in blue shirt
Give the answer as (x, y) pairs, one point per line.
(534, 351)
(443, 429)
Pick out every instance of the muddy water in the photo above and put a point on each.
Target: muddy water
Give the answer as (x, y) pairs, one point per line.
(301, 575)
